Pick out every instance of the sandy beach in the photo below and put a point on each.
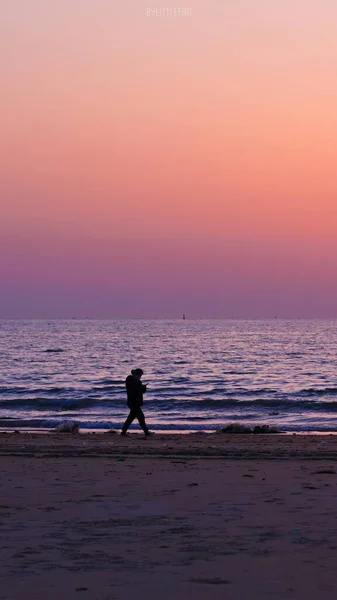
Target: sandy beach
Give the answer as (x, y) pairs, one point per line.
(220, 516)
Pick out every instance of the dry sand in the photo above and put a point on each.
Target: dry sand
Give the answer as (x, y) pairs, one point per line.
(101, 517)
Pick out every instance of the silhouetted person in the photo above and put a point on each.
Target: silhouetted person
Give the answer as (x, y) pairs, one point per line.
(135, 390)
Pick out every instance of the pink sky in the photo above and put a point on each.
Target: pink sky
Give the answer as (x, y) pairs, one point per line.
(151, 166)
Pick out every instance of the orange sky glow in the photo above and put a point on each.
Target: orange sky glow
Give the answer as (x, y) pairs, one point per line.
(151, 166)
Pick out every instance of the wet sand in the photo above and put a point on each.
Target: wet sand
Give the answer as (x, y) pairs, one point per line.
(101, 517)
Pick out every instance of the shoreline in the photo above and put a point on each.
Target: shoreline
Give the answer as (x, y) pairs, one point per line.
(178, 432)
(164, 446)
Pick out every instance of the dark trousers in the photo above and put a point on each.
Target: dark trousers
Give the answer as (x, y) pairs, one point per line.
(135, 413)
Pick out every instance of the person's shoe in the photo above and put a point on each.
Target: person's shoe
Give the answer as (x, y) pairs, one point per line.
(124, 433)
(149, 433)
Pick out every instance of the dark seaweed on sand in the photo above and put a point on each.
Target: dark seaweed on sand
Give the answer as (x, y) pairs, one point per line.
(240, 428)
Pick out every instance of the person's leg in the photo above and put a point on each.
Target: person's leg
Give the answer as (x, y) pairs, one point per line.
(141, 420)
(131, 417)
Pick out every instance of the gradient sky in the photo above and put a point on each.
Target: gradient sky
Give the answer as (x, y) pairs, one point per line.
(151, 166)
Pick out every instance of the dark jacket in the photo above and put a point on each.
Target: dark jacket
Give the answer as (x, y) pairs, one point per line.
(135, 390)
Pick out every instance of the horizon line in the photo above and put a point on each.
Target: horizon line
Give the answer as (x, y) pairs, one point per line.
(261, 318)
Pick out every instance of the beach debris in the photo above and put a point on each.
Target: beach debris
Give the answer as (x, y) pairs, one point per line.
(55, 350)
(265, 429)
(324, 472)
(211, 580)
(68, 427)
(240, 428)
(235, 428)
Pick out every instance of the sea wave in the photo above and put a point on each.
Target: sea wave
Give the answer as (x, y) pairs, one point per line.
(327, 391)
(48, 403)
(170, 391)
(172, 404)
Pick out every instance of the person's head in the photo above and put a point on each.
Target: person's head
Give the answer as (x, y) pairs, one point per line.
(137, 373)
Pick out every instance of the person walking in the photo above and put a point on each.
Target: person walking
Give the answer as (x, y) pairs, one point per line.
(135, 390)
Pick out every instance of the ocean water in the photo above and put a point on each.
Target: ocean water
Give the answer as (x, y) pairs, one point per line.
(202, 373)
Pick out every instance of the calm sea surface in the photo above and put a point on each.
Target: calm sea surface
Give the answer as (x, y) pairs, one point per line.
(201, 374)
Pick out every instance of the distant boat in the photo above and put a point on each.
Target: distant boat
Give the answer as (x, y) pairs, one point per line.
(184, 316)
